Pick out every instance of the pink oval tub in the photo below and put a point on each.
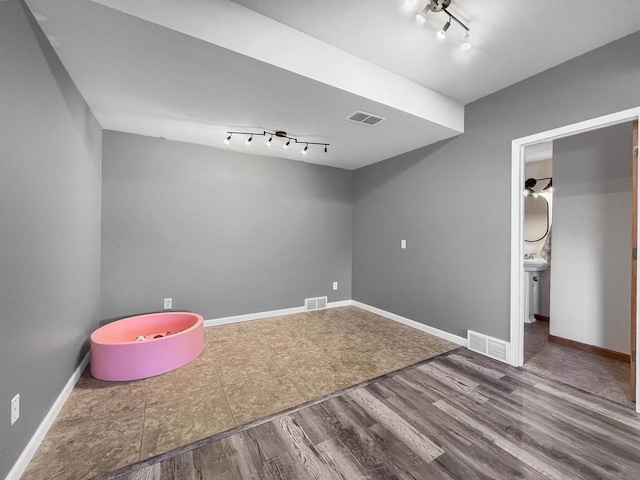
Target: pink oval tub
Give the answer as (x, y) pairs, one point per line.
(127, 350)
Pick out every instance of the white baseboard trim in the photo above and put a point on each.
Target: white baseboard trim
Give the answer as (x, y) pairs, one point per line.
(391, 316)
(272, 313)
(343, 303)
(412, 323)
(30, 450)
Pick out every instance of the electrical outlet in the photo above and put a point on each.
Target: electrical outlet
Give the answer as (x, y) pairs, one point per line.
(335, 285)
(15, 408)
(403, 244)
(168, 303)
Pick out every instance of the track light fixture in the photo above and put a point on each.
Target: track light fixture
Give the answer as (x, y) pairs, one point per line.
(438, 6)
(280, 136)
(443, 33)
(466, 42)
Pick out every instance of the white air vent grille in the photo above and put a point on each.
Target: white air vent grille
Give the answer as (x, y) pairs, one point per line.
(491, 347)
(477, 343)
(365, 118)
(497, 350)
(315, 303)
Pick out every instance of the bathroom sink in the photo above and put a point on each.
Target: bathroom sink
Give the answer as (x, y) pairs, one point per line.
(535, 264)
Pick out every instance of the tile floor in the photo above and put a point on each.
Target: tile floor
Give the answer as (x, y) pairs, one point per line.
(247, 371)
(603, 376)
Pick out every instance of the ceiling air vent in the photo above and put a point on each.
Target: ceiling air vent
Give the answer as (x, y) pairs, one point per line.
(365, 118)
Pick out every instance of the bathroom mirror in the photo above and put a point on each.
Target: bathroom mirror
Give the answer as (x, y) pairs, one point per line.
(536, 218)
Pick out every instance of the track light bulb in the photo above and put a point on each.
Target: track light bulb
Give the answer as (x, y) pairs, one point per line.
(466, 42)
(420, 18)
(304, 150)
(286, 145)
(443, 33)
(325, 149)
(248, 141)
(269, 141)
(228, 139)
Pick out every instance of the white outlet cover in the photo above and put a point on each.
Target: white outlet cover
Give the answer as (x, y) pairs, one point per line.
(403, 244)
(168, 303)
(15, 408)
(335, 285)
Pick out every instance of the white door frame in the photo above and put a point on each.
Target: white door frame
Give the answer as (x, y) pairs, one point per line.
(516, 354)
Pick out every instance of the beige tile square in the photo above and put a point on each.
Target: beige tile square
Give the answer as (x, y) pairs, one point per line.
(82, 448)
(361, 366)
(217, 352)
(225, 331)
(292, 356)
(240, 368)
(319, 379)
(92, 398)
(280, 340)
(173, 424)
(205, 359)
(259, 397)
(183, 382)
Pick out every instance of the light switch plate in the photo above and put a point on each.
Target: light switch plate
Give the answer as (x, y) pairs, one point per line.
(15, 408)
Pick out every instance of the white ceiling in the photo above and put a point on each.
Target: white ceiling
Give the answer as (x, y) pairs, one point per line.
(513, 39)
(190, 70)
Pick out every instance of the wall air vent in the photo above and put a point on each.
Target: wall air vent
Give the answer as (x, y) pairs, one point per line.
(491, 347)
(477, 343)
(365, 118)
(315, 303)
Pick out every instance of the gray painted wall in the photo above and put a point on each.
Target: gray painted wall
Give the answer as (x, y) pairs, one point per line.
(451, 200)
(50, 148)
(591, 261)
(221, 233)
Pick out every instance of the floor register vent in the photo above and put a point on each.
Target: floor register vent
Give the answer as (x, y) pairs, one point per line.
(315, 303)
(492, 347)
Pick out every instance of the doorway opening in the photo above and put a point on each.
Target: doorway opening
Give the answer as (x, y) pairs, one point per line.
(587, 205)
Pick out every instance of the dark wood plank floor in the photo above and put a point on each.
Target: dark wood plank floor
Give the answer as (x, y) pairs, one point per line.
(461, 416)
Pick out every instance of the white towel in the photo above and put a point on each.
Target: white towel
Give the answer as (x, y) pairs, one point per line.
(546, 248)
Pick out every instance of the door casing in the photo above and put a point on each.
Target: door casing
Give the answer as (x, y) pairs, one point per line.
(516, 344)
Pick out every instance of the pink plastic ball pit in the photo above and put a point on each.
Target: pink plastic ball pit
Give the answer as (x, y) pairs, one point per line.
(116, 355)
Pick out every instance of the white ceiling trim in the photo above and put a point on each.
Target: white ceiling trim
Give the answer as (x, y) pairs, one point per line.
(225, 23)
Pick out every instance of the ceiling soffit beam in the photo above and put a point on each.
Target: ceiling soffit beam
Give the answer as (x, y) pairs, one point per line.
(226, 24)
